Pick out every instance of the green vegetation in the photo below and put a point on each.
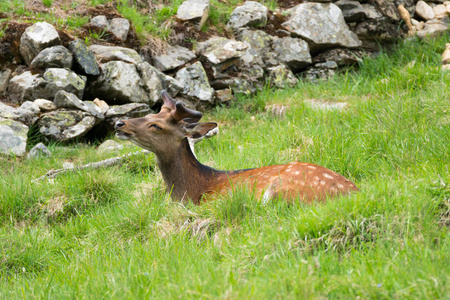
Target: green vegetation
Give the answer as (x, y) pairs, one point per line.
(152, 18)
(113, 233)
(47, 3)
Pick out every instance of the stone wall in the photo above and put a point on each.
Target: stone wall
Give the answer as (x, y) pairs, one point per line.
(70, 91)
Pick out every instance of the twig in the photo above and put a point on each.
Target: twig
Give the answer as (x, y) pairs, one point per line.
(95, 165)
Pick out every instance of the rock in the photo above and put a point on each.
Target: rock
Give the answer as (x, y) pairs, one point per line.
(281, 77)
(322, 26)
(341, 56)
(151, 81)
(36, 38)
(45, 105)
(171, 85)
(221, 53)
(433, 28)
(195, 83)
(104, 54)
(31, 106)
(251, 14)
(130, 110)
(239, 85)
(418, 25)
(100, 22)
(424, 11)
(109, 145)
(84, 58)
(378, 29)
(174, 57)
(353, 11)
(104, 107)
(126, 111)
(388, 9)
(39, 151)
(65, 125)
(371, 11)
(194, 10)
(53, 57)
(64, 99)
(13, 137)
(293, 52)
(95, 111)
(260, 48)
(320, 71)
(4, 80)
(120, 27)
(119, 82)
(20, 87)
(440, 11)
(224, 95)
(219, 49)
(20, 114)
(62, 79)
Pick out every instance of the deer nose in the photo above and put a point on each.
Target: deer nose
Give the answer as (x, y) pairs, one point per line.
(119, 124)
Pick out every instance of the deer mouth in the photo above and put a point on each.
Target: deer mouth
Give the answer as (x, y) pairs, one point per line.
(123, 135)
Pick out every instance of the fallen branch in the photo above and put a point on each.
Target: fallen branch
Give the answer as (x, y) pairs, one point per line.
(95, 165)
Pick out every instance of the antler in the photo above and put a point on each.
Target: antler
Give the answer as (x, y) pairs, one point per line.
(185, 114)
(178, 111)
(168, 102)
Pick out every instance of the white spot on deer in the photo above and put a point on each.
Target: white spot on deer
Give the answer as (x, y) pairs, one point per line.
(267, 195)
(316, 183)
(297, 173)
(316, 178)
(326, 175)
(322, 182)
(340, 186)
(311, 167)
(333, 189)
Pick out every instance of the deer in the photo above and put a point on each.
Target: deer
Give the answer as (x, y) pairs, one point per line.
(166, 135)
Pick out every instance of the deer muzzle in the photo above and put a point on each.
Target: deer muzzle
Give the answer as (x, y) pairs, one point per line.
(118, 126)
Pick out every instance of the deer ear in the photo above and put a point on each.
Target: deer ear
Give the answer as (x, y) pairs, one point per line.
(196, 130)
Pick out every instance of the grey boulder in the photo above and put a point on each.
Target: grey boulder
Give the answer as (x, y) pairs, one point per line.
(53, 57)
(36, 38)
(13, 137)
(321, 25)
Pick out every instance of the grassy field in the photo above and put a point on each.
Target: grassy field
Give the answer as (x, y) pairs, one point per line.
(113, 233)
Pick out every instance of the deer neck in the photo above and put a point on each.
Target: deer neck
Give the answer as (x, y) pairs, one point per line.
(185, 177)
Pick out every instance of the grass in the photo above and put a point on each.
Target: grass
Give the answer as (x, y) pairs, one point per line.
(155, 23)
(113, 233)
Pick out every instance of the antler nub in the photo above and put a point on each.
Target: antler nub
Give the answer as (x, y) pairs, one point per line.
(168, 102)
(185, 114)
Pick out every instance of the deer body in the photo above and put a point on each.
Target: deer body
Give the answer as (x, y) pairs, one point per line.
(185, 177)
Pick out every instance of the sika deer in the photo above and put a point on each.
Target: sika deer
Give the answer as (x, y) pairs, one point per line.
(165, 134)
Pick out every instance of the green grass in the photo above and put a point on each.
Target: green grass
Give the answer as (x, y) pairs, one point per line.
(113, 233)
(156, 23)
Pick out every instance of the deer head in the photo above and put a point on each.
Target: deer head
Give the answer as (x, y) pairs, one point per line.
(164, 131)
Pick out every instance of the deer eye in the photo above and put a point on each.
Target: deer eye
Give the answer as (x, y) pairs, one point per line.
(154, 126)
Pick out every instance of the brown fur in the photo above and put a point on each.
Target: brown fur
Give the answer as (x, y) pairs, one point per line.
(185, 177)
